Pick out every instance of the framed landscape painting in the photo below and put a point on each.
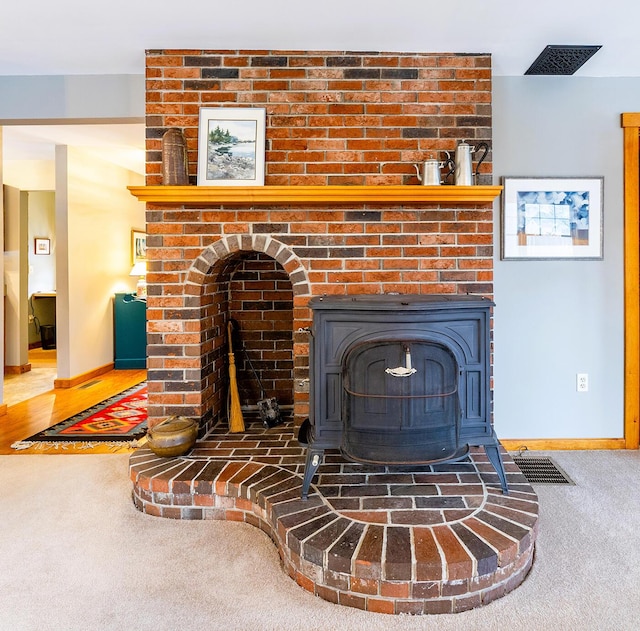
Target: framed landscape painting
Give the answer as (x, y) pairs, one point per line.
(231, 146)
(552, 218)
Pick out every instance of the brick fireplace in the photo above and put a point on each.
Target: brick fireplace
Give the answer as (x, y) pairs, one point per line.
(341, 213)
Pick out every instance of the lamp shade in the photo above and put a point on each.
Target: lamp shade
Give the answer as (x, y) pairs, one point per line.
(139, 269)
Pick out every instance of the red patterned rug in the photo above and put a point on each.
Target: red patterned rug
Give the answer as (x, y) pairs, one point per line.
(120, 418)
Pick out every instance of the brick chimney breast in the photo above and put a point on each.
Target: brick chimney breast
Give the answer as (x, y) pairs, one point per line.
(333, 118)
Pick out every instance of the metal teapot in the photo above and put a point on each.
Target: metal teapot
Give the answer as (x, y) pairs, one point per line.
(464, 175)
(431, 171)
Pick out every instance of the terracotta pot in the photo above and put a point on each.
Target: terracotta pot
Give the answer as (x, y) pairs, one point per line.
(175, 436)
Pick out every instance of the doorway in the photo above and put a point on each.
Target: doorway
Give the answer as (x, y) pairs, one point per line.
(32, 163)
(30, 296)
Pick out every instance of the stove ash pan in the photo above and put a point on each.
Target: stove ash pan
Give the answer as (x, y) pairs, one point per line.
(399, 380)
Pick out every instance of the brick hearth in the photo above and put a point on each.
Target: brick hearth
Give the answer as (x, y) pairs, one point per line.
(428, 539)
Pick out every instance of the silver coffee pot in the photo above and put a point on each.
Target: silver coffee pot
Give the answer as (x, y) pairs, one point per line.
(464, 175)
(431, 175)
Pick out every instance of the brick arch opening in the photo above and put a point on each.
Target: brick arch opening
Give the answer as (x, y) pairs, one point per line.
(255, 281)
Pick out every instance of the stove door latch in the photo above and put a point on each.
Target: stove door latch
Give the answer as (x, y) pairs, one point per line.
(403, 371)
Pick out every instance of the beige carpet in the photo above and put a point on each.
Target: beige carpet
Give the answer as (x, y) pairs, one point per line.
(76, 555)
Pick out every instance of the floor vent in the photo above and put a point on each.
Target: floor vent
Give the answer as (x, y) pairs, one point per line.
(541, 470)
(89, 384)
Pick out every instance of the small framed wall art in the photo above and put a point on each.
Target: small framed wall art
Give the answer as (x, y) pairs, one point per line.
(549, 218)
(41, 246)
(231, 146)
(138, 246)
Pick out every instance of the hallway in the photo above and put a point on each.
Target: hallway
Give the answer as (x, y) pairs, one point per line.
(48, 407)
(23, 386)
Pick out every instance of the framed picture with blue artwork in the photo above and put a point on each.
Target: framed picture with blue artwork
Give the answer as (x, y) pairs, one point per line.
(548, 218)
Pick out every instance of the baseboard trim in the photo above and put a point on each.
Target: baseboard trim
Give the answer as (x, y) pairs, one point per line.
(550, 444)
(85, 376)
(17, 370)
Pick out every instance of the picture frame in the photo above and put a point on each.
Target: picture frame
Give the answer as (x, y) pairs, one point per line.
(138, 246)
(41, 246)
(231, 146)
(549, 218)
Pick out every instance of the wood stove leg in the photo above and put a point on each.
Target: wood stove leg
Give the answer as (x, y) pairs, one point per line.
(493, 453)
(314, 460)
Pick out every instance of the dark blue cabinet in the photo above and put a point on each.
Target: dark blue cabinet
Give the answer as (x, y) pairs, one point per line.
(129, 332)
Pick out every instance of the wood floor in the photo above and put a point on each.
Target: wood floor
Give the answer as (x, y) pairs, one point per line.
(44, 410)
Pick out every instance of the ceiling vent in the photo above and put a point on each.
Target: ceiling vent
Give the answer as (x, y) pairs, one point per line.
(561, 60)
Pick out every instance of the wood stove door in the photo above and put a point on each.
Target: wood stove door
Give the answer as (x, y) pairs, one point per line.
(401, 402)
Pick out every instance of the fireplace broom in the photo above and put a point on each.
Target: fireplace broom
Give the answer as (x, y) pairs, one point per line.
(236, 422)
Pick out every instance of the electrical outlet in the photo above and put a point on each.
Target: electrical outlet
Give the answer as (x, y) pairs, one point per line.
(582, 382)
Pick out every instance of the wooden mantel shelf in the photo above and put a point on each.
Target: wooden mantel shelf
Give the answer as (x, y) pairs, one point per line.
(291, 195)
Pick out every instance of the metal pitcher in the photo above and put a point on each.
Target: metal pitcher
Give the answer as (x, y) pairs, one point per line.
(431, 175)
(464, 175)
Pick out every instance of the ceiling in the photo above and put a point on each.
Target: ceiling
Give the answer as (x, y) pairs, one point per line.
(80, 37)
(41, 37)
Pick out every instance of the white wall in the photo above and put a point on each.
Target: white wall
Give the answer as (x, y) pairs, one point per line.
(38, 178)
(42, 267)
(554, 319)
(30, 175)
(15, 276)
(94, 216)
(55, 97)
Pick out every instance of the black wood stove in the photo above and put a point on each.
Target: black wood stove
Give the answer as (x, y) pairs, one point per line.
(399, 380)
